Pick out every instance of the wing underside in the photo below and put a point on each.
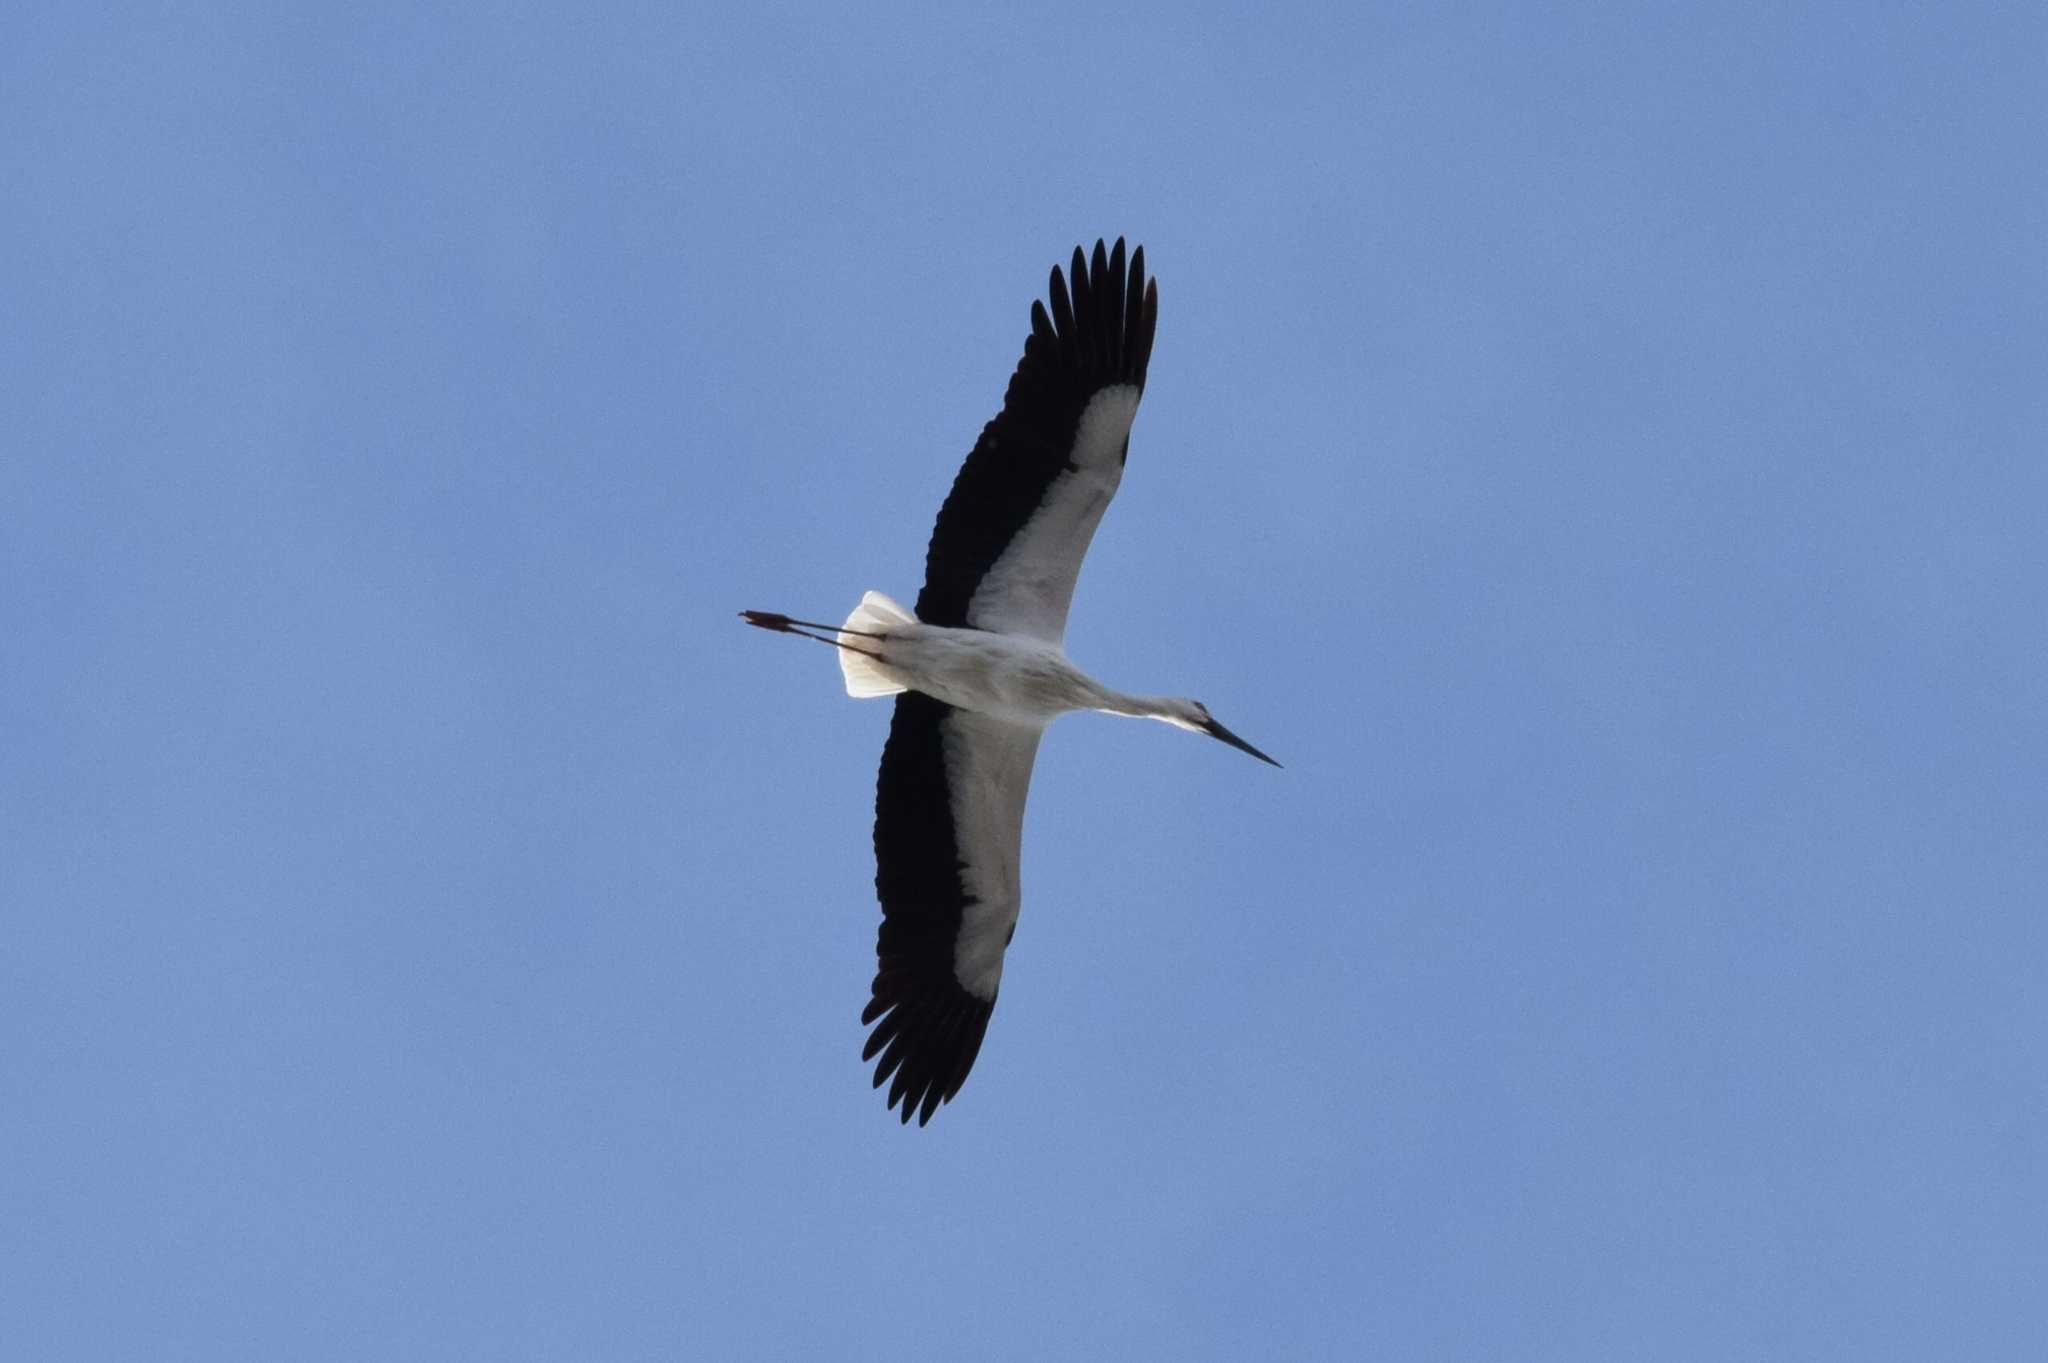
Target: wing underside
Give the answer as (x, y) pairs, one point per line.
(949, 809)
(1010, 538)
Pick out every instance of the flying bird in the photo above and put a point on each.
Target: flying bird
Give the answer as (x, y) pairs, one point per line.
(979, 669)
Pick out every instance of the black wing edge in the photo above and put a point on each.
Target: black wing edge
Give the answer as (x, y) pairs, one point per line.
(927, 1029)
(1098, 334)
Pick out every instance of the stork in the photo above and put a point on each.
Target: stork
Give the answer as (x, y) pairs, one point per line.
(979, 669)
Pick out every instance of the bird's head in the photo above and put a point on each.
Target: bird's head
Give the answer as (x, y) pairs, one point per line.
(1194, 716)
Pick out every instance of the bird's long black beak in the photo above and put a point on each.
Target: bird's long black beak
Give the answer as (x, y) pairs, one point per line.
(1215, 730)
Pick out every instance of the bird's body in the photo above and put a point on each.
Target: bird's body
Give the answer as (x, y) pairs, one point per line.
(1011, 677)
(980, 668)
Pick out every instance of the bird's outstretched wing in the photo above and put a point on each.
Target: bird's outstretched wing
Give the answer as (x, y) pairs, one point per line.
(1010, 538)
(949, 814)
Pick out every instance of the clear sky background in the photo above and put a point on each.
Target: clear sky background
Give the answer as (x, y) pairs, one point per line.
(1598, 448)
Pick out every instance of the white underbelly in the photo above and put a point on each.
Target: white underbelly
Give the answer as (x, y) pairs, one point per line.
(1023, 681)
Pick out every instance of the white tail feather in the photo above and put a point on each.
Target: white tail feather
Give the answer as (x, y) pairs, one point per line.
(867, 676)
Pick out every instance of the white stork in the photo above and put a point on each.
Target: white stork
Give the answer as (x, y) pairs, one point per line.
(979, 671)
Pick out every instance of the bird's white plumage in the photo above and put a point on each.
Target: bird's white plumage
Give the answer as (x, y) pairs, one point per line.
(864, 674)
(1009, 677)
(1031, 585)
(988, 773)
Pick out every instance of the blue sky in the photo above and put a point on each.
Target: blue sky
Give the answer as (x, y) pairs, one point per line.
(1599, 449)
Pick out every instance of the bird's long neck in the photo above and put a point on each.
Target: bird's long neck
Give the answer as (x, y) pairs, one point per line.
(1138, 707)
(1090, 694)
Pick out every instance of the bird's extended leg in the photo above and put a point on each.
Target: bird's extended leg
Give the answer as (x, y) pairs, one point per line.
(782, 624)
